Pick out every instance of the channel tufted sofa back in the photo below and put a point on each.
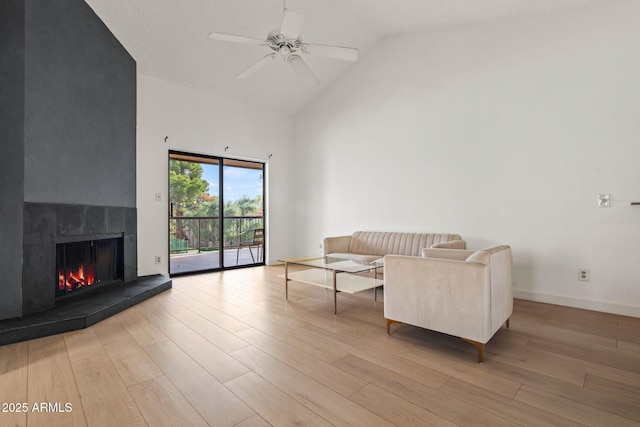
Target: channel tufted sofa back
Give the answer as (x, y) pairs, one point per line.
(385, 243)
(371, 246)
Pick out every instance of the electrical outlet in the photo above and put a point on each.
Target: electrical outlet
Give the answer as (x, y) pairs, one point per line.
(583, 274)
(158, 259)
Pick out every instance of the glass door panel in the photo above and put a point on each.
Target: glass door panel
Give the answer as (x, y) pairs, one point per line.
(243, 219)
(194, 213)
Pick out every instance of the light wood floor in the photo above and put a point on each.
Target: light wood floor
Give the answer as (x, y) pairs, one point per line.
(227, 349)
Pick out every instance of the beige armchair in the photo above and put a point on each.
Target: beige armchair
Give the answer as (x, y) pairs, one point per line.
(467, 294)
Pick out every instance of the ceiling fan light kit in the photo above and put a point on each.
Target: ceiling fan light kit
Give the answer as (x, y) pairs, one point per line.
(286, 44)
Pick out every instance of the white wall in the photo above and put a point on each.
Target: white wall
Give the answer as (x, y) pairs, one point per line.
(201, 123)
(504, 133)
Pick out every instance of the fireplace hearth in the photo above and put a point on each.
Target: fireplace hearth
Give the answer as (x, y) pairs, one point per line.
(82, 311)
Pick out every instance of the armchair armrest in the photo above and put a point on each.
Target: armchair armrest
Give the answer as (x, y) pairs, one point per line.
(339, 244)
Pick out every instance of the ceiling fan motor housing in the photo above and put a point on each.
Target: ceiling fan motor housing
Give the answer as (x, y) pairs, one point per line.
(282, 45)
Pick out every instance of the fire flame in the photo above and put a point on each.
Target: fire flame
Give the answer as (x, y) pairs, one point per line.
(76, 279)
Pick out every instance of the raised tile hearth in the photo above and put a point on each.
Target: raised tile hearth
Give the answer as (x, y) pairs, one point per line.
(83, 311)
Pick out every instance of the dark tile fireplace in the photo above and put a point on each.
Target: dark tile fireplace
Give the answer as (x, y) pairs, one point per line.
(68, 175)
(79, 267)
(60, 240)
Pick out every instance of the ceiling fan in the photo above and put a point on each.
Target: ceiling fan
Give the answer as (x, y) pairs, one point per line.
(285, 43)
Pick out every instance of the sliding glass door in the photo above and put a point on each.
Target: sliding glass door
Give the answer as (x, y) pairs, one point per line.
(216, 213)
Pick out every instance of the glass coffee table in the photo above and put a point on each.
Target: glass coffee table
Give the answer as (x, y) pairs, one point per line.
(326, 273)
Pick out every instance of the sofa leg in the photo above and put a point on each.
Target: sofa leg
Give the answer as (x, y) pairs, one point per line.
(479, 346)
(389, 323)
(508, 322)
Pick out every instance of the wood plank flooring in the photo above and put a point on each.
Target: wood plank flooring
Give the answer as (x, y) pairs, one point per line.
(227, 349)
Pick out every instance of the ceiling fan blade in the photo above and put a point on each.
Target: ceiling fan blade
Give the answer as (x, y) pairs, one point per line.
(236, 39)
(303, 71)
(291, 24)
(335, 52)
(255, 67)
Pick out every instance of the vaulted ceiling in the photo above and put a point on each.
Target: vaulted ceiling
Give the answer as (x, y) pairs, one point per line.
(168, 38)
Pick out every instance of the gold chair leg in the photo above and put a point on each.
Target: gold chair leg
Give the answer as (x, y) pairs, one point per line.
(479, 346)
(389, 323)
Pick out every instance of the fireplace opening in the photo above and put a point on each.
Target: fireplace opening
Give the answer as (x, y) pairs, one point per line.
(87, 265)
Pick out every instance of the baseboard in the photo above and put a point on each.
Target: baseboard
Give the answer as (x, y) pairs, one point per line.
(606, 307)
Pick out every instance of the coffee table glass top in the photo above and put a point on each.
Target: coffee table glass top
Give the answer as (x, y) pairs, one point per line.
(330, 263)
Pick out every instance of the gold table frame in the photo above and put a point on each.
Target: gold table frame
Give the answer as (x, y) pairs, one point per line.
(326, 275)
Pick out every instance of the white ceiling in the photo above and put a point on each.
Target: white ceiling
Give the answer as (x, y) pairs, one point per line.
(168, 38)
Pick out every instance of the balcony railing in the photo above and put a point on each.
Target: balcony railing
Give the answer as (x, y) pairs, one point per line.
(200, 234)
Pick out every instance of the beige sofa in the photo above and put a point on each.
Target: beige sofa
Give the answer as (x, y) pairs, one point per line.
(369, 246)
(467, 294)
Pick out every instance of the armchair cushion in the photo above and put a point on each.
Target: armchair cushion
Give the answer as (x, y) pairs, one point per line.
(457, 254)
(452, 244)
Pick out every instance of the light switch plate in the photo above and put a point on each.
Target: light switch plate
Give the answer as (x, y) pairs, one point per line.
(604, 200)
